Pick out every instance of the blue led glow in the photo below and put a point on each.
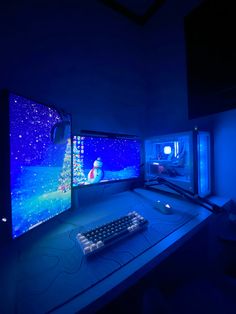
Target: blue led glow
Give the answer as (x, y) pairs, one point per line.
(176, 148)
(177, 165)
(102, 159)
(204, 164)
(167, 150)
(40, 169)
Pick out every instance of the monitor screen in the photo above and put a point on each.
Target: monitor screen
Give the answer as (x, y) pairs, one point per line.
(40, 163)
(105, 159)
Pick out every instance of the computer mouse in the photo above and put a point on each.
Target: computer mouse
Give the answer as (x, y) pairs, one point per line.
(163, 207)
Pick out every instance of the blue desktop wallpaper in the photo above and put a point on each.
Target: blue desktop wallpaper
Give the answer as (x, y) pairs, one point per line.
(40, 170)
(114, 158)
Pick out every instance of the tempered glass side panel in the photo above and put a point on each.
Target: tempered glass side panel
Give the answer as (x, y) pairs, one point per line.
(171, 157)
(105, 159)
(204, 165)
(40, 163)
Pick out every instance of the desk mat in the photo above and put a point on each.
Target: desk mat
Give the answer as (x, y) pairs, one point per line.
(54, 271)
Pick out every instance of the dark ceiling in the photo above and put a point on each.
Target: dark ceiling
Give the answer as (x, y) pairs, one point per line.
(139, 11)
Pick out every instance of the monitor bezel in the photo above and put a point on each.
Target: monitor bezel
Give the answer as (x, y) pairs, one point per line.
(5, 185)
(88, 133)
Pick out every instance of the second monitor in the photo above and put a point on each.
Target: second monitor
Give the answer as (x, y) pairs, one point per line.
(99, 159)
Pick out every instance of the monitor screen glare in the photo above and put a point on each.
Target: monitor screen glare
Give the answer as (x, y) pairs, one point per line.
(104, 159)
(40, 167)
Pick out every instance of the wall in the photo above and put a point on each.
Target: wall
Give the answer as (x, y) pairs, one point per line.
(80, 55)
(167, 103)
(167, 94)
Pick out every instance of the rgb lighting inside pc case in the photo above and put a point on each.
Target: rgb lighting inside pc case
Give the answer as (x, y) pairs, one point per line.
(104, 159)
(40, 163)
(181, 158)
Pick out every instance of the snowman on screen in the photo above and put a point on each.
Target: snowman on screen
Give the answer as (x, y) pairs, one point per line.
(96, 174)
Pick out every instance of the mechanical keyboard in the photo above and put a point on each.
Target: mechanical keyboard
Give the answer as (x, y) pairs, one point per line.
(100, 237)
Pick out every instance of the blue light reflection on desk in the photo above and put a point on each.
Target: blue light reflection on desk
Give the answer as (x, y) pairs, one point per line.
(63, 263)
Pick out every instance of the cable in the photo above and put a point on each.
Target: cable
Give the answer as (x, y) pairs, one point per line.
(202, 201)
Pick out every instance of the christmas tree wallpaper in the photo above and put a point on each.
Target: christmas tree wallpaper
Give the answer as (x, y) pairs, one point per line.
(40, 169)
(104, 159)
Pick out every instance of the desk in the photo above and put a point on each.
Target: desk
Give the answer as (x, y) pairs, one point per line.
(53, 276)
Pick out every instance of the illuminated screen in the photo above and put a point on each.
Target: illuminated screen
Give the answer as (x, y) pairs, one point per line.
(40, 163)
(104, 159)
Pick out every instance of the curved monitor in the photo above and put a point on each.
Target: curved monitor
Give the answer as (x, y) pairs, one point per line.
(40, 163)
(99, 159)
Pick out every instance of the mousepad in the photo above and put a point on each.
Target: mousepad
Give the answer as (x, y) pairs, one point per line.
(54, 271)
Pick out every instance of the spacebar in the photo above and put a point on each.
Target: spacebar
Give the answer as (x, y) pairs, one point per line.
(116, 236)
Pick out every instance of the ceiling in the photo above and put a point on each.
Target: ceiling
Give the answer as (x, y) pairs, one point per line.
(139, 11)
